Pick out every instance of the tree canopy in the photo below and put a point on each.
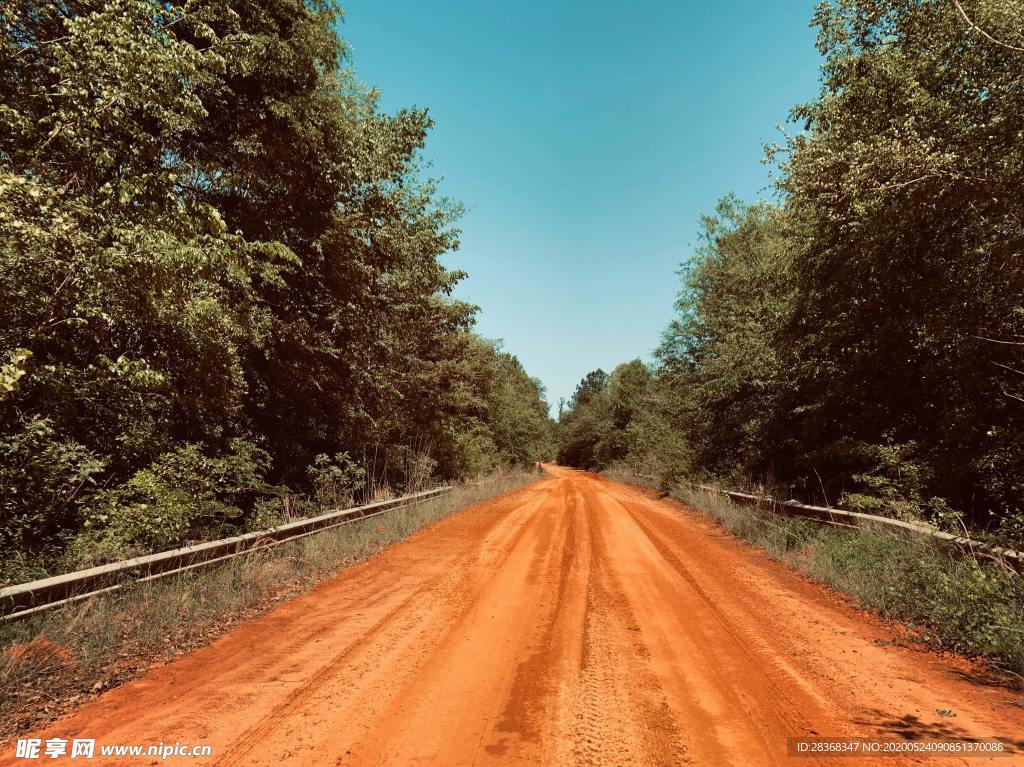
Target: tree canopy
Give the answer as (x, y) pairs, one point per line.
(220, 264)
(862, 338)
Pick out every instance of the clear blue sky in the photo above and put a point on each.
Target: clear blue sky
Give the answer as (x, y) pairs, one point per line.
(586, 137)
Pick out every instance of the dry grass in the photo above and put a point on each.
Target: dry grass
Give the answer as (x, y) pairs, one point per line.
(62, 657)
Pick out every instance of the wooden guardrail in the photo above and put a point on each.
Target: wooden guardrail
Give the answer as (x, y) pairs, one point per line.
(26, 599)
(843, 518)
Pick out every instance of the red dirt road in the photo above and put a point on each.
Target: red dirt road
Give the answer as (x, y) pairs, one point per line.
(572, 622)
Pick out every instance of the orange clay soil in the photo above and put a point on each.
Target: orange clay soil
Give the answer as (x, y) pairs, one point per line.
(574, 621)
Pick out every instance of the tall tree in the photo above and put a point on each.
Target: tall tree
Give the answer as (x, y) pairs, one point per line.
(908, 328)
(722, 353)
(219, 266)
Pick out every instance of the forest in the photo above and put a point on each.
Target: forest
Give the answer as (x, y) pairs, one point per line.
(859, 339)
(221, 290)
(223, 301)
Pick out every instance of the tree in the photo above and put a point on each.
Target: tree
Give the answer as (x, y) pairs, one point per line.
(495, 410)
(618, 419)
(908, 323)
(220, 271)
(864, 336)
(722, 352)
(583, 424)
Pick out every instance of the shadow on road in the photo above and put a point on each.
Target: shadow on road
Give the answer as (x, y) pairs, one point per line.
(912, 727)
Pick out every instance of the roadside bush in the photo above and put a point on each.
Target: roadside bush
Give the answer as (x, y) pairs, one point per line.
(895, 486)
(42, 473)
(952, 599)
(184, 495)
(179, 286)
(335, 480)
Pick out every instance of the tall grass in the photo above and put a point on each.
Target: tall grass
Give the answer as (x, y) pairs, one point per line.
(948, 597)
(59, 657)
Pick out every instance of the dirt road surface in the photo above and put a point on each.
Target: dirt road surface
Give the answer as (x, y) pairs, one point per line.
(572, 622)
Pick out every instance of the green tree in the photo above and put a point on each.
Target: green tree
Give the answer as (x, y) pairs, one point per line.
(218, 255)
(864, 337)
(585, 420)
(722, 352)
(496, 412)
(620, 419)
(908, 325)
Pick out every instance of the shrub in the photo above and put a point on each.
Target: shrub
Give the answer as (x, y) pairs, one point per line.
(184, 495)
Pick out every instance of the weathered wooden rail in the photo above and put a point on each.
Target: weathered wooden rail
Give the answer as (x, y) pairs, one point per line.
(25, 599)
(843, 518)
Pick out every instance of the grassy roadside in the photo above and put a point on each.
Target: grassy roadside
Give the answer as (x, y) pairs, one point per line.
(61, 658)
(949, 600)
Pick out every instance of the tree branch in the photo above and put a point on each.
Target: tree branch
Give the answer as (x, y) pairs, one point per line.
(998, 341)
(982, 32)
(1007, 367)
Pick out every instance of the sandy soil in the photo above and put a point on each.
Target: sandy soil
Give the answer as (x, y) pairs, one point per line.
(572, 622)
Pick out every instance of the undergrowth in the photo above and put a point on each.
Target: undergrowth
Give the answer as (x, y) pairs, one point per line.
(61, 657)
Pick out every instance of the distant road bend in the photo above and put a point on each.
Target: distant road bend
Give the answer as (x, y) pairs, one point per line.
(572, 622)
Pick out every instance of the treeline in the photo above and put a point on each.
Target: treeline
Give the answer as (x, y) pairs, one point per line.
(862, 339)
(220, 286)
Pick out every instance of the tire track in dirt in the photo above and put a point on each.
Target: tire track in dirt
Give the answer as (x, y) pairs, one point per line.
(531, 712)
(751, 697)
(470, 673)
(797, 647)
(572, 622)
(621, 713)
(272, 720)
(394, 655)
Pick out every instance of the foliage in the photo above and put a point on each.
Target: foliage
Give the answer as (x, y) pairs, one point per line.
(895, 486)
(335, 480)
(587, 420)
(721, 353)
(12, 371)
(909, 288)
(862, 337)
(183, 495)
(620, 419)
(210, 237)
(44, 477)
(496, 410)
